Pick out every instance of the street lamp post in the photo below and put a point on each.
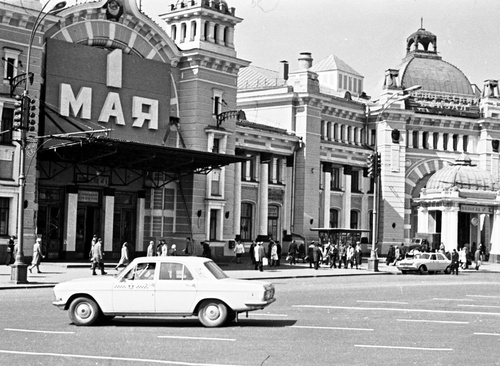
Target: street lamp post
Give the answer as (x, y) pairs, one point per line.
(19, 268)
(373, 260)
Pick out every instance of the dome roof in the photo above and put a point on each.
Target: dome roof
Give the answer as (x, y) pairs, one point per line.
(462, 175)
(434, 75)
(423, 66)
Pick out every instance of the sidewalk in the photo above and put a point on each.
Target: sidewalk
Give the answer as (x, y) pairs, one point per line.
(55, 272)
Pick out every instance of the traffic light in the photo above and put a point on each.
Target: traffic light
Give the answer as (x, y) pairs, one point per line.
(31, 114)
(379, 164)
(18, 112)
(370, 161)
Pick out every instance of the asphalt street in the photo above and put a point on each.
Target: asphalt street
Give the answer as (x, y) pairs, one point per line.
(324, 320)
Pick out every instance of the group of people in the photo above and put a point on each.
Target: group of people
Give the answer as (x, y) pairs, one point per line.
(258, 254)
(331, 254)
(12, 249)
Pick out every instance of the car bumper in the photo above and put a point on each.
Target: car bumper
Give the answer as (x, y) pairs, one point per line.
(407, 268)
(59, 303)
(259, 304)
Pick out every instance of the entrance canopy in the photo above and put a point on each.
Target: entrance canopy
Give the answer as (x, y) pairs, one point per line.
(119, 154)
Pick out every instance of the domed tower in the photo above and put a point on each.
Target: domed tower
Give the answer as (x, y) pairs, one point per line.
(204, 24)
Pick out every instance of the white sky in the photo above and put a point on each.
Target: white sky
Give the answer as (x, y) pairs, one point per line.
(369, 35)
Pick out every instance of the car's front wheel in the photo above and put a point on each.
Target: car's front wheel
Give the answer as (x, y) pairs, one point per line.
(84, 311)
(422, 270)
(447, 270)
(212, 313)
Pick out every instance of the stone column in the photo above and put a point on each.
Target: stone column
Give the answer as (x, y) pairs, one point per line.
(237, 200)
(109, 210)
(449, 231)
(423, 220)
(139, 236)
(346, 202)
(70, 224)
(263, 196)
(326, 194)
(409, 135)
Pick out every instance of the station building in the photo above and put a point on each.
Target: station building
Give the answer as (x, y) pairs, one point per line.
(131, 140)
(140, 136)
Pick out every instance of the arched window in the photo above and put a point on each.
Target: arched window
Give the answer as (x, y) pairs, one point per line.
(173, 32)
(226, 36)
(193, 30)
(216, 33)
(183, 32)
(246, 221)
(206, 27)
(354, 219)
(334, 218)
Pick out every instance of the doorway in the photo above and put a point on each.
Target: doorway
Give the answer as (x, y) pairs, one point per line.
(88, 220)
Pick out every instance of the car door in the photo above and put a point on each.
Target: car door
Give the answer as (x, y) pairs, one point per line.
(134, 292)
(176, 289)
(432, 262)
(441, 262)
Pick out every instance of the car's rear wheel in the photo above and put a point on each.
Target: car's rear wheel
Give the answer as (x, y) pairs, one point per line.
(212, 313)
(447, 270)
(84, 311)
(422, 270)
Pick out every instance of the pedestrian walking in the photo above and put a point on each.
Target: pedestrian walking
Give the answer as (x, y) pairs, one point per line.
(10, 252)
(342, 255)
(358, 255)
(350, 256)
(278, 250)
(259, 255)
(477, 258)
(292, 252)
(124, 257)
(310, 250)
(454, 262)
(173, 250)
(207, 252)
(37, 256)
(97, 257)
(274, 255)
(251, 252)
(151, 249)
(239, 249)
(317, 256)
(391, 254)
(333, 253)
(189, 245)
(397, 255)
(159, 247)
(164, 248)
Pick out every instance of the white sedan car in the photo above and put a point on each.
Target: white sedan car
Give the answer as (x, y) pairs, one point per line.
(163, 286)
(425, 262)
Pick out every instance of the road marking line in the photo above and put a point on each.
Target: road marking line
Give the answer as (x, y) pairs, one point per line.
(400, 347)
(479, 306)
(200, 338)
(485, 296)
(145, 360)
(330, 328)
(438, 299)
(430, 321)
(396, 309)
(489, 334)
(384, 302)
(37, 331)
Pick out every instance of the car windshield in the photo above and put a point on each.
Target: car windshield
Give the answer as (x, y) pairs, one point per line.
(215, 270)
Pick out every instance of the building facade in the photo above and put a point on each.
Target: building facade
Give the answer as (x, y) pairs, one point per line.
(427, 115)
(128, 142)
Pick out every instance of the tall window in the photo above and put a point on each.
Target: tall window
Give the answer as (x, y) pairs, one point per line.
(6, 126)
(213, 224)
(335, 182)
(355, 181)
(246, 221)
(435, 139)
(11, 64)
(465, 142)
(425, 140)
(183, 32)
(248, 170)
(334, 218)
(455, 142)
(415, 139)
(354, 219)
(173, 32)
(445, 141)
(4, 216)
(193, 30)
(273, 222)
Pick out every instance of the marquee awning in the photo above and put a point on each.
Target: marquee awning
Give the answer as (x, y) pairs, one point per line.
(119, 154)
